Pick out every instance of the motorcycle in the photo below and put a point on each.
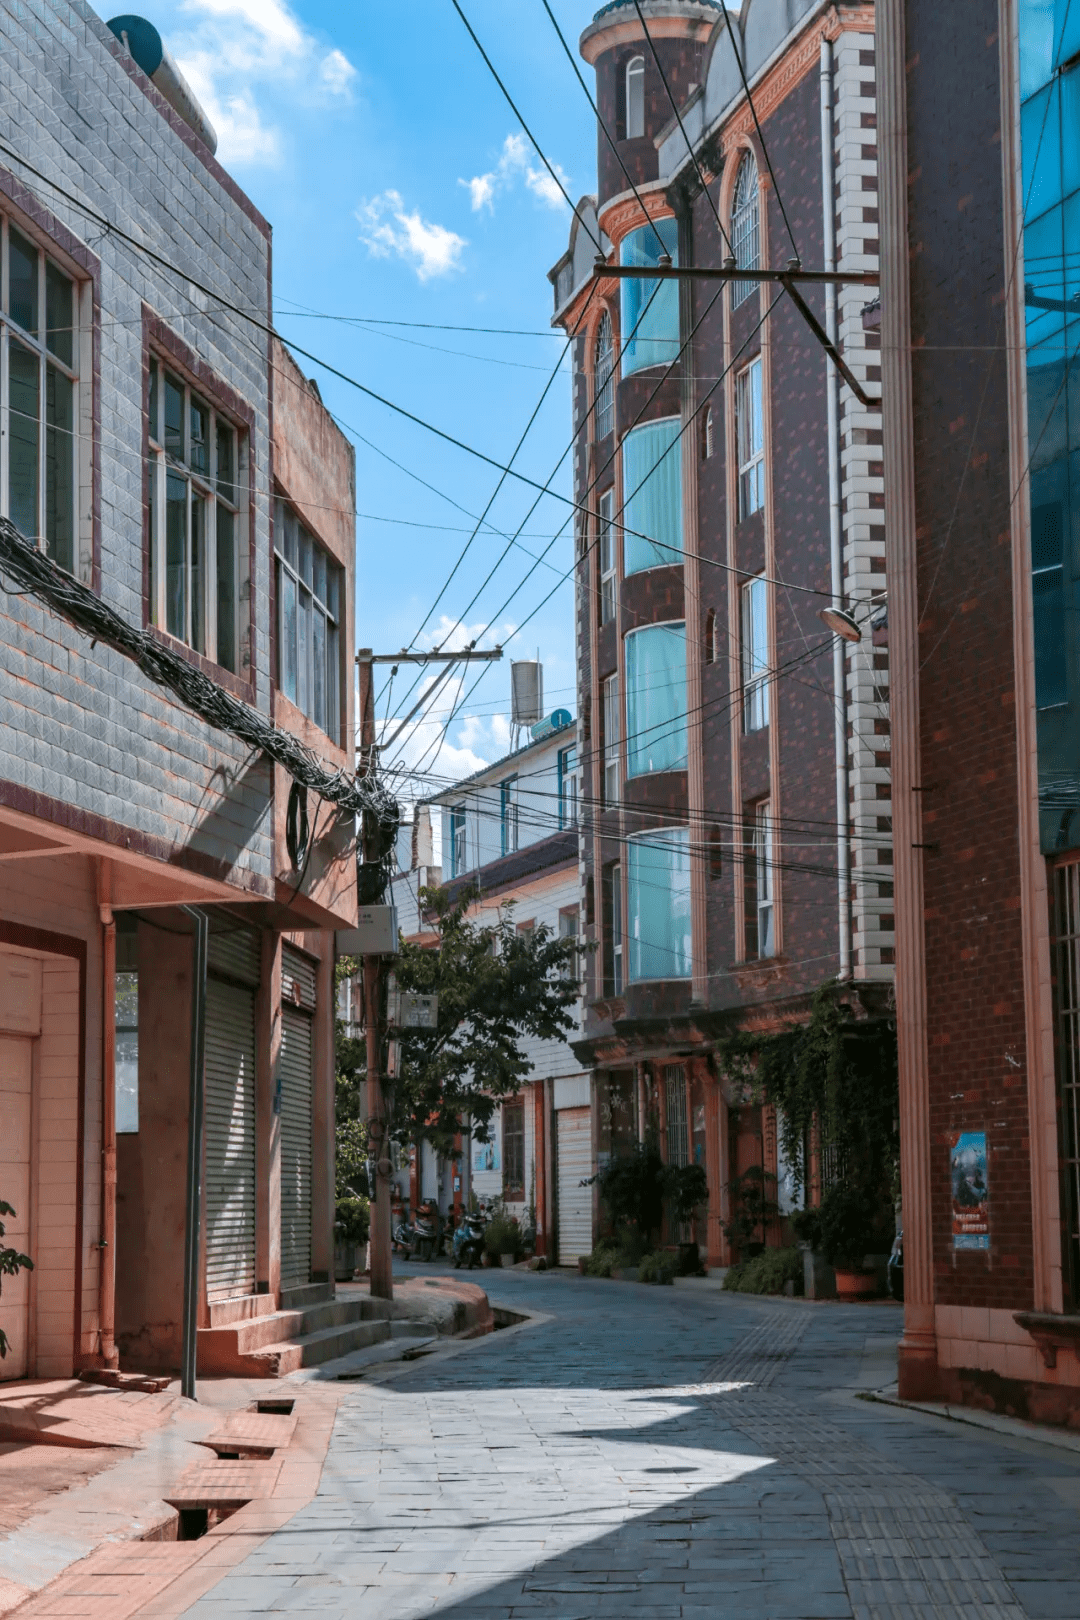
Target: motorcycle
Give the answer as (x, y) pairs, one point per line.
(468, 1243)
(422, 1237)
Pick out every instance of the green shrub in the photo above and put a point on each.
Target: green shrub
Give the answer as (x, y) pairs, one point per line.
(502, 1235)
(658, 1267)
(352, 1219)
(766, 1273)
(603, 1260)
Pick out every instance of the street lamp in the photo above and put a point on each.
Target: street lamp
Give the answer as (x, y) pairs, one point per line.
(841, 622)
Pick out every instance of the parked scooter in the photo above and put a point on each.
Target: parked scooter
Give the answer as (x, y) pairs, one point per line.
(422, 1237)
(468, 1244)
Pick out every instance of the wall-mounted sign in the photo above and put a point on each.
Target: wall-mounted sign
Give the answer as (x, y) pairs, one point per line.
(970, 1192)
(375, 933)
(406, 1010)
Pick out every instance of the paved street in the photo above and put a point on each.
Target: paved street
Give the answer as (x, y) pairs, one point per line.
(652, 1452)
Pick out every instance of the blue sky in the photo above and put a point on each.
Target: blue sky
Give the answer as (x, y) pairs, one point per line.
(400, 187)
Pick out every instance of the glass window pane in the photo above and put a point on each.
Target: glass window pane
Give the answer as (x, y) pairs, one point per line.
(652, 496)
(333, 590)
(333, 683)
(23, 399)
(319, 574)
(59, 314)
(287, 589)
(22, 281)
(155, 562)
(658, 894)
(656, 699)
(127, 1053)
(635, 98)
(303, 652)
(60, 468)
(304, 567)
(174, 417)
(1066, 31)
(226, 461)
(176, 556)
(1040, 137)
(1036, 44)
(155, 425)
(226, 588)
(291, 541)
(198, 572)
(650, 309)
(318, 668)
(1051, 672)
(199, 448)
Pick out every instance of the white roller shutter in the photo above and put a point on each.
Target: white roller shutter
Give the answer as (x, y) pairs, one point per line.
(574, 1139)
(295, 1091)
(230, 1140)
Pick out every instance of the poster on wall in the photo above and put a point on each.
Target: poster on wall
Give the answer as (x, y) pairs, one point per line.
(970, 1208)
(485, 1156)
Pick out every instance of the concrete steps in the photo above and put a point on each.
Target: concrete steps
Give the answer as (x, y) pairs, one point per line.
(272, 1343)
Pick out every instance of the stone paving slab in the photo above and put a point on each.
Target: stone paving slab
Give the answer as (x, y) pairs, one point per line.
(665, 1453)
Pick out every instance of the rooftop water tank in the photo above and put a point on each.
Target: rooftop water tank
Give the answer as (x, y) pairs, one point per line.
(526, 693)
(149, 50)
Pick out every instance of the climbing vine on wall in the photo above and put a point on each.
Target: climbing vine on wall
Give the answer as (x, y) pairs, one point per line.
(833, 1078)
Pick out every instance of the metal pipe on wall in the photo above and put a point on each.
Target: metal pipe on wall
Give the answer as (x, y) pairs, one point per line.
(836, 535)
(193, 1214)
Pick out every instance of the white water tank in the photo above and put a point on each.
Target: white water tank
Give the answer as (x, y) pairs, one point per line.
(527, 693)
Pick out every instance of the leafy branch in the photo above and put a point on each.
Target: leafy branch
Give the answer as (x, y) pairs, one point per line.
(11, 1263)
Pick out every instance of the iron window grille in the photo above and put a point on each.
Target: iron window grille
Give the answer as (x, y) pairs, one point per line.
(607, 556)
(745, 228)
(40, 352)
(513, 1149)
(309, 609)
(197, 467)
(604, 378)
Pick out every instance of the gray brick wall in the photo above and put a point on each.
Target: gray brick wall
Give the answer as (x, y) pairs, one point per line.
(80, 724)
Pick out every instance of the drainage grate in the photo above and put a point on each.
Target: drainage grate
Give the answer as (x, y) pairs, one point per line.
(278, 1404)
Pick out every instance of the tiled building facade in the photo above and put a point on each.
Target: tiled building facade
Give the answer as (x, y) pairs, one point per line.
(736, 840)
(162, 447)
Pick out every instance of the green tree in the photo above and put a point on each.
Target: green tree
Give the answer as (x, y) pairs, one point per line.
(351, 1215)
(496, 986)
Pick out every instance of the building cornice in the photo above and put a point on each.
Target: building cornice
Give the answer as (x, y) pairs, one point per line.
(666, 19)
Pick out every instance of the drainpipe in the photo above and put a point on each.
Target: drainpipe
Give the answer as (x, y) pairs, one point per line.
(836, 537)
(107, 1248)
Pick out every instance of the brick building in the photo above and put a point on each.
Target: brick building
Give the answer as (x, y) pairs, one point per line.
(736, 829)
(979, 333)
(162, 449)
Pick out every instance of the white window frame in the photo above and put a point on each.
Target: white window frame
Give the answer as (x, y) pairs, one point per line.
(509, 816)
(746, 227)
(78, 373)
(569, 927)
(764, 868)
(635, 98)
(206, 493)
(618, 978)
(568, 786)
(612, 729)
(289, 571)
(459, 840)
(750, 437)
(604, 378)
(608, 556)
(755, 653)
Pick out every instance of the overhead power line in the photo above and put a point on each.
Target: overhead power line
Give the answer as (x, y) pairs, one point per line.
(757, 126)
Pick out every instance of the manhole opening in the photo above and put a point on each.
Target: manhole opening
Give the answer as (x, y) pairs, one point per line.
(279, 1405)
(193, 1523)
(502, 1318)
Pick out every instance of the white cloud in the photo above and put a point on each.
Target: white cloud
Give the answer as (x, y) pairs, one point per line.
(390, 231)
(239, 54)
(515, 164)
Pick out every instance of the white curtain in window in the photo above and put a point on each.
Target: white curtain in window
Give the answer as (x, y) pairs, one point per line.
(650, 324)
(658, 894)
(656, 699)
(652, 496)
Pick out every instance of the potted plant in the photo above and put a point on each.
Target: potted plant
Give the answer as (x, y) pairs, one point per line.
(351, 1225)
(752, 1209)
(850, 1227)
(502, 1239)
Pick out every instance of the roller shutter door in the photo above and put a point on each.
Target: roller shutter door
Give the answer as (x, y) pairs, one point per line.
(230, 1140)
(298, 987)
(574, 1138)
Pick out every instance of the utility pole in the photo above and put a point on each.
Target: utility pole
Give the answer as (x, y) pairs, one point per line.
(380, 1250)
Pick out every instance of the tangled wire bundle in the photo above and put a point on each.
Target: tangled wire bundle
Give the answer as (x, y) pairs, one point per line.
(30, 570)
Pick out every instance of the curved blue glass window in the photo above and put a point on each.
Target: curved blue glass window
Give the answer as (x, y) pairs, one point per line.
(652, 495)
(650, 309)
(656, 699)
(658, 905)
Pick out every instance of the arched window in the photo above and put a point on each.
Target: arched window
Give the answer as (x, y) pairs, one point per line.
(708, 435)
(604, 378)
(710, 636)
(745, 228)
(635, 97)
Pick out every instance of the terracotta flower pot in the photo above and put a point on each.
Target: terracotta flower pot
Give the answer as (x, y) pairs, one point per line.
(855, 1284)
